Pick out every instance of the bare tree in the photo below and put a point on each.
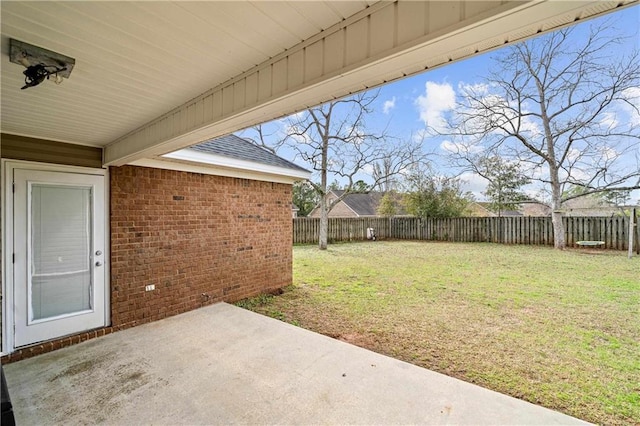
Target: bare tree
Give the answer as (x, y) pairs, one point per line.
(565, 107)
(334, 140)
(382, 171)
(264, 140)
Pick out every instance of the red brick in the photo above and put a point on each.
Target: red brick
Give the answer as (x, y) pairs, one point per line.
(193, 234)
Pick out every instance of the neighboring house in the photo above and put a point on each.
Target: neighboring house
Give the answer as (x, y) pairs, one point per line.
(482, 209)
(113, 248)
(511, 213)
(535, 208)
(355, 205)
(479, 209)
(589, 206)
(366, 205)
(583, 206)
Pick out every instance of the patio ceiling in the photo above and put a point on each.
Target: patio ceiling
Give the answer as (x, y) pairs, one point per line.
(154, 77)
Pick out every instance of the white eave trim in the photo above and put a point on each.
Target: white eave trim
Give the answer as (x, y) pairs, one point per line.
(188, 160)
(234, 163)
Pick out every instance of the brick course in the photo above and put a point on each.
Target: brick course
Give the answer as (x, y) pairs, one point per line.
(198, 238)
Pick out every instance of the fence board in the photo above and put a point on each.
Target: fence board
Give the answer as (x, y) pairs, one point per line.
(508, 230)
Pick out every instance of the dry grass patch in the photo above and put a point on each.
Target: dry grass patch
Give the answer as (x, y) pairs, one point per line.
(559, 329)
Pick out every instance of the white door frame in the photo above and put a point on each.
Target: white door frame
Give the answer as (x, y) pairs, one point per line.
(8, 166)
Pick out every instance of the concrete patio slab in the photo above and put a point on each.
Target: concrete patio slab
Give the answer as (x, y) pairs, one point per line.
(225, 365)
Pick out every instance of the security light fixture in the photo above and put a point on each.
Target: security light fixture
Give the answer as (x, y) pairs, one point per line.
(41, 64)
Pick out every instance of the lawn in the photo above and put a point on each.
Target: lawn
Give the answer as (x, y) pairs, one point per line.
(559, 329)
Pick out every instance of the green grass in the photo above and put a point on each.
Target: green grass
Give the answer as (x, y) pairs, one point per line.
(559, 329)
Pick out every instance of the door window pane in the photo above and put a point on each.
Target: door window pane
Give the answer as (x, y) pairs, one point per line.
(61, 240)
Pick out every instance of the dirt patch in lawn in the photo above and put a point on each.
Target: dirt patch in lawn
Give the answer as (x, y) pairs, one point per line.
(356, 339)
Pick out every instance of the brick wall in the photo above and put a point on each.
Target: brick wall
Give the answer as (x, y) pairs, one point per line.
(198, 238)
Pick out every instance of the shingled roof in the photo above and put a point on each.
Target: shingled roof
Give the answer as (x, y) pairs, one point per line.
(232, 146)
(361, 204)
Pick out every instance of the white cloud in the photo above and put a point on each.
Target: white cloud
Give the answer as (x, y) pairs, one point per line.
(609, 120)
(487, 111)
(528, 125)
(632, 95)
(420, 135)
(356, 134)
(608, 153)
(437, 100)
(460, 147)
(577, 174)
(367, 169)
(573, 154)
(449, 146)
(477, 89)
(389, 105)
(473, 183)
(295, 133)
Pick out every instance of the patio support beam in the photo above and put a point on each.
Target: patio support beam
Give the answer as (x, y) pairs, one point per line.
(385, 42)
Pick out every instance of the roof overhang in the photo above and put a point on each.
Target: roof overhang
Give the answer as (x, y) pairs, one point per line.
(155, 77)
(190, 160)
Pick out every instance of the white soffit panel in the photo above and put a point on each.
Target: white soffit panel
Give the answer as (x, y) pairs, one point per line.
(349, 57)
(136, 60)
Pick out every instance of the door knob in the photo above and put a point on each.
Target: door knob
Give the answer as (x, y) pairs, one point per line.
(98, 263)
(98, 253)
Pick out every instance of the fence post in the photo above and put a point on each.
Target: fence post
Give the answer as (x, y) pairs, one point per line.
(632, 217)
(637, 232)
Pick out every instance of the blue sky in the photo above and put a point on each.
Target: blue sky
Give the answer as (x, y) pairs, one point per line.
(407, 105)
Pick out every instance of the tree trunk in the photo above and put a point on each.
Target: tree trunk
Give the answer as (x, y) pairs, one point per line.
(559, 241)
(324, 223)
(324, 208)
(556, 188)
(558, 230)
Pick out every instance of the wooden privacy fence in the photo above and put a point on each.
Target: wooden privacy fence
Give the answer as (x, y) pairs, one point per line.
(614, 231)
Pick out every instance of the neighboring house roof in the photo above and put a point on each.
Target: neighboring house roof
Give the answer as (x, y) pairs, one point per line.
(583, 206)
(479, 209)
(232, 156)
(535, 208)
(486, 205)
(589, 206)
(361, 204)
(527, 208)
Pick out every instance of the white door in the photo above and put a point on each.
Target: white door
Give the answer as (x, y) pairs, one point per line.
(59, 272)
